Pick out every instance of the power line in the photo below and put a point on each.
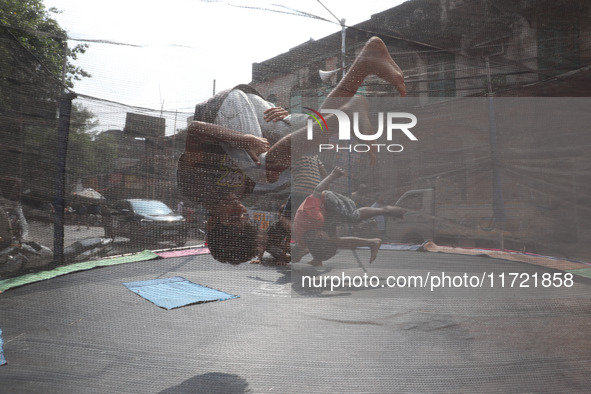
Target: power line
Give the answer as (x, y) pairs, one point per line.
(427, 48)
(291, 11)
(330, 12)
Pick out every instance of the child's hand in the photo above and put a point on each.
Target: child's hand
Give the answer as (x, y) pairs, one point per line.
(337, 172)
(275, 114)
(253, 145)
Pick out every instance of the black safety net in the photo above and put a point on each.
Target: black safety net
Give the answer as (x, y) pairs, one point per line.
(499, 160)
(400, 204)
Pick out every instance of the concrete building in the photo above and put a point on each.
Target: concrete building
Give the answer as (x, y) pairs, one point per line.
(454, 53)
(443, 46)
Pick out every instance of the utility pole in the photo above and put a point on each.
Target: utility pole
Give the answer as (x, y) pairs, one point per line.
(343, 46)
(498, 203)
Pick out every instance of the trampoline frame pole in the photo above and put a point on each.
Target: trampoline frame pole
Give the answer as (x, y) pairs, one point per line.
(63, 129)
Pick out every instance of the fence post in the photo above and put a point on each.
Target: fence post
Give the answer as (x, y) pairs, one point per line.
(63, 129)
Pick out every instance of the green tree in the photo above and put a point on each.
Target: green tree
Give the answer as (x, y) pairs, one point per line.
(32, 42)
(82, 155)
(35, 68)
(88, 155)
(107, 149)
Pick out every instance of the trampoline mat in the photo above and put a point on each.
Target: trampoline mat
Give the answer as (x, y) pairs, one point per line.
(86, 332)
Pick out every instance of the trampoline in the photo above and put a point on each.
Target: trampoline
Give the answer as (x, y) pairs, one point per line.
(86, 332)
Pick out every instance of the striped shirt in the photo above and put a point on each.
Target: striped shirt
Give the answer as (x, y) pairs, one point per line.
(305, 175)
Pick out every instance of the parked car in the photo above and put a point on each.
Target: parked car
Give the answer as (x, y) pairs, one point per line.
(145, 220)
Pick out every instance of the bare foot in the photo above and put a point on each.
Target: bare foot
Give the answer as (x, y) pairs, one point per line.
(396, 212)
(374, 59)
(375, 248)
(256, 261)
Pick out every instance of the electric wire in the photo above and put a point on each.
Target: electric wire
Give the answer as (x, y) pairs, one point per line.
(413, 76)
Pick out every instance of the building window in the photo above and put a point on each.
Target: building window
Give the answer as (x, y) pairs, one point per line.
(441, 71)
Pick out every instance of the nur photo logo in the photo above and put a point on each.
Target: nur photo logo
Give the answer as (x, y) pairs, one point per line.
(317, 117)
(389, 121)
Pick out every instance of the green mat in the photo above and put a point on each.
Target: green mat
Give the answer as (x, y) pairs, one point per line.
(67, 269)
(586, 272)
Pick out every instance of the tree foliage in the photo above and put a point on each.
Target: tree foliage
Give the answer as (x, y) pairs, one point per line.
(35, 63)
(28, 28)
(35, 69)
(88, 155)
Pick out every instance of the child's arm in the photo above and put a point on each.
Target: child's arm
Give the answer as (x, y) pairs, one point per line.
(322, 169)
(336, 173)
(261, 246)
(198, 131)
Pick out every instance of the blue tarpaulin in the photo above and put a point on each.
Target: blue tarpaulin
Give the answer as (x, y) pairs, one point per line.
(401, 246)
(170, 293)
(2, 359)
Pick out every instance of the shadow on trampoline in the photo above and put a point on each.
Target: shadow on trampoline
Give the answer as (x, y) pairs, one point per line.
(212, 382)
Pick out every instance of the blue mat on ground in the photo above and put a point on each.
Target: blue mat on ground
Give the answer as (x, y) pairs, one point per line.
(170, 293)
(2, 359)
(401, 246)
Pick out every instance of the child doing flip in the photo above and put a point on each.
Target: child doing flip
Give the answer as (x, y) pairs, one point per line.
(316, 220)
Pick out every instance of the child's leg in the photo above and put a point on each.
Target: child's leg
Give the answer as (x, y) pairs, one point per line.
(369, 212)
(355, 242)
(374, 59)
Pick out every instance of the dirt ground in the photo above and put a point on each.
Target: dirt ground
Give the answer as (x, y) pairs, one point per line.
(42, 233)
